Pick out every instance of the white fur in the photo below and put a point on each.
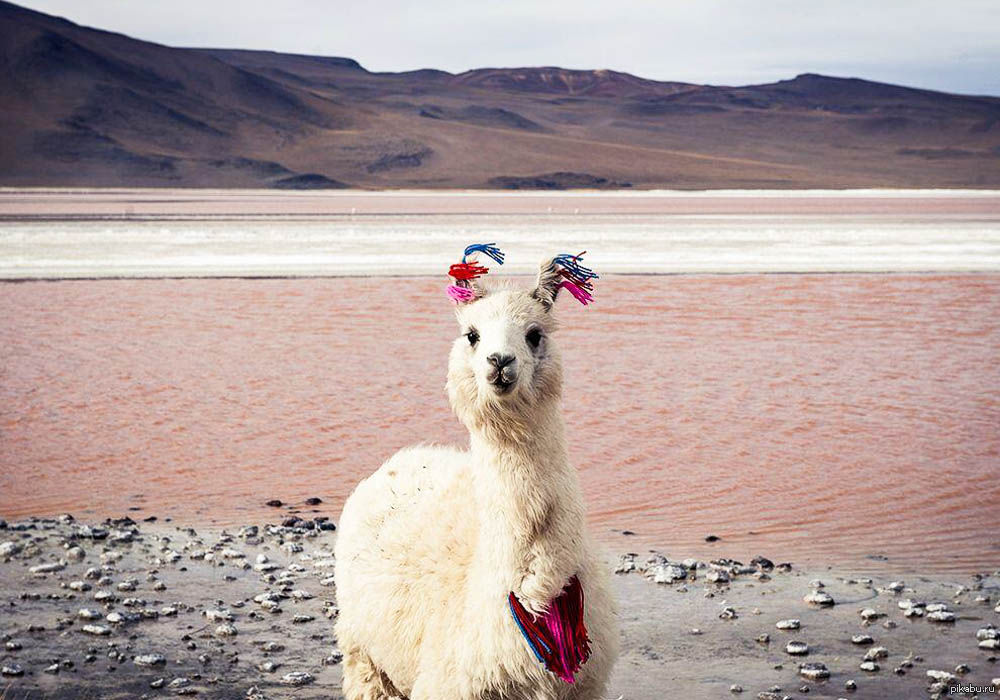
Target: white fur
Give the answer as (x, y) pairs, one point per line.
(430, 544)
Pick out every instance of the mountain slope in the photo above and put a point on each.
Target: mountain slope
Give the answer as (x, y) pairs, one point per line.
(87, 107)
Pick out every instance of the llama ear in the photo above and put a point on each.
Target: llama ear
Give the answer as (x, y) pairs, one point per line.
(548, 283)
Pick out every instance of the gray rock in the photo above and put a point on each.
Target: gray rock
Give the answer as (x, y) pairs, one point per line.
(796, 648)
(734, 688)
(76, 554)
(666, 573)
(814, 671)
(9, 549)
(150, 660)
(820, 598)
(50, 567)
(869, 666)
(876, 653)
(941, 616)
(791, 624)
(871, 614)
(717, 576)
(13, 646)
(297, 678)
(942, 676)
(89, 614)
(626, 564)
(862, 639)
(180, 682)
(990, 644)
(269, 666)
(99, 630)
(219, 615)
(226, 630)
(11, 669)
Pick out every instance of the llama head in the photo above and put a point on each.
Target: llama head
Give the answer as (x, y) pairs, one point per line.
(504, 366)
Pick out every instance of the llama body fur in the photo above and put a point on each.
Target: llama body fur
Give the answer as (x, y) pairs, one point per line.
(431, 544)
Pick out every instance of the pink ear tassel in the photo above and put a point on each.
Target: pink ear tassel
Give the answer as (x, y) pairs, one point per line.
(581, 295)
(461, 295)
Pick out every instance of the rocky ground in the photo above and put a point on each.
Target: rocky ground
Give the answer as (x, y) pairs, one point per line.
(130, 610)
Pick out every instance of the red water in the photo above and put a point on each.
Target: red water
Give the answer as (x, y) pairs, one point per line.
(817, 418)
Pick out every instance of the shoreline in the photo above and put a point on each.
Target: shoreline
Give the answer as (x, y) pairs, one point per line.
(161, 602)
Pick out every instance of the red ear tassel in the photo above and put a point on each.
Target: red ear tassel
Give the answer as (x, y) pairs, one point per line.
(467, 271)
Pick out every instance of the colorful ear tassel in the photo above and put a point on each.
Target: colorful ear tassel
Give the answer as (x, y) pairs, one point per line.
(578, 278)
(464, 272)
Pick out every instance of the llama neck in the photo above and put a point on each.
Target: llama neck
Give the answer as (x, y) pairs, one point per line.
(529, 503)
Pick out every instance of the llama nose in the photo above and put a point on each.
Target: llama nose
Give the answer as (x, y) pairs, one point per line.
(501, 370)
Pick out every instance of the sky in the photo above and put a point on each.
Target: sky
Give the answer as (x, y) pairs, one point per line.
(951, 45)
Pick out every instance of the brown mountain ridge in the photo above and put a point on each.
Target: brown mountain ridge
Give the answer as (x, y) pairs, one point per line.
(85, 107)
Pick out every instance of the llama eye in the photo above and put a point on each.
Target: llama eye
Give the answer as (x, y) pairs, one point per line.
(473, 338)
(534, 337)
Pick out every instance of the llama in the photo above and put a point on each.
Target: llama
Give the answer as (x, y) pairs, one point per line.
(439, 547)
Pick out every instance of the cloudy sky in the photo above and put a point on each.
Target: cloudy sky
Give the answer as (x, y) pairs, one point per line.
(951, 45)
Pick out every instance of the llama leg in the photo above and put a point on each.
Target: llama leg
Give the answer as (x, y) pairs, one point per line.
(363, 680)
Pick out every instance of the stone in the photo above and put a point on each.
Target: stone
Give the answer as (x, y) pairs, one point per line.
(717, 576)
(791, 624)
(988, 633)
(218, 615)
(734, 688)
(297, 678)
(334, 658)
(796, 648)
(876, 653)
(269, 666)
(850, 685)
(869, 666)
(9, 549)
(814, 671)
(896, 587)
(150, 660)
(990, 644)
(666, 573)
(226, 630)
(13, 646)
(99, 630)
(180, 682)
(820, 598)
(76, 554)
(89, 614)
(79, 586)
(274, 503)
(862, 639)
(49, 568)
(314, 501)
(11, 669)
(728, 613)
(300, 619)
(941, 616)
(626, 564)
(871, 614)
(941, 676)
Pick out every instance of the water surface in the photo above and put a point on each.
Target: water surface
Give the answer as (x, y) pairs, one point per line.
(820, 418)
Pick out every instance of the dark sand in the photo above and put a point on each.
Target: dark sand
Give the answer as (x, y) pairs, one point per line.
(675, 644)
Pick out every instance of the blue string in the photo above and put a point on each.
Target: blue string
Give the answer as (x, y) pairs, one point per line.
(489, 248)
(573, 266)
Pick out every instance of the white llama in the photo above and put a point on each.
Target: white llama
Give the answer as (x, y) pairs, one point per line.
(432, 545)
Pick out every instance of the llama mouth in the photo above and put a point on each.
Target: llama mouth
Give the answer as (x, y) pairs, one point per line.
(502, 387)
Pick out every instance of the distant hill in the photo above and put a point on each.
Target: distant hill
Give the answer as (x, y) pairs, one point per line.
(87, 107)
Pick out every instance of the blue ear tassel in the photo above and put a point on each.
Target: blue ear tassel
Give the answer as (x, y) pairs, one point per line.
(576, 272)
(489, 249)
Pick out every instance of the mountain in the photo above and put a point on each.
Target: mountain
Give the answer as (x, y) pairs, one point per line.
(88, 107)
